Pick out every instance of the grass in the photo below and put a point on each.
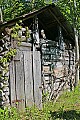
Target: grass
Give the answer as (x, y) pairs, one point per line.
(67, 107)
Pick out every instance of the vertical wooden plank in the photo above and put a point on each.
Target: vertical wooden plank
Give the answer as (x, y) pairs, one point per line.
(28, 78)
(20, 96)
(37, 79)
(12, 83)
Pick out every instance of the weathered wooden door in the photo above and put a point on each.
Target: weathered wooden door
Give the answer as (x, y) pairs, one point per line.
(25, 78)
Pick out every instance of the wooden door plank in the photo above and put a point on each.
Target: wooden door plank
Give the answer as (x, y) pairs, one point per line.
(28, 78)
(37, 79)
(20, 95)
(12, 83)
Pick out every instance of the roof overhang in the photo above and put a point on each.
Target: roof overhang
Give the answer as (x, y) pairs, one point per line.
(49, 18)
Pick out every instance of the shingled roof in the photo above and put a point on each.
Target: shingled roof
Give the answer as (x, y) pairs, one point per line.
(49, 18)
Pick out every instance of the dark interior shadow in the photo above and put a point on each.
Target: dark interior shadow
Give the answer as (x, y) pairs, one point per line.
(65, 115)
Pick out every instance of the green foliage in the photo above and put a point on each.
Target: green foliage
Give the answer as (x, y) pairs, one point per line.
(15, 35)
(14, 8)
(15, 30)
(71, 11)
(7, 57)
(27, 33)
(9, 114)
(45, 96)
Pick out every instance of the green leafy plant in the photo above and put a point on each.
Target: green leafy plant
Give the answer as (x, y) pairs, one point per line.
(45, 96)
(15, 33)
(9, 114)
(7, 56)
(15, 30)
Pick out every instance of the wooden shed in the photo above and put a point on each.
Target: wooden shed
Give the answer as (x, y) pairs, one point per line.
(43, 63)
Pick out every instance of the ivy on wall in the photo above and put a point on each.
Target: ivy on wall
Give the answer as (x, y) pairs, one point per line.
(20, 32)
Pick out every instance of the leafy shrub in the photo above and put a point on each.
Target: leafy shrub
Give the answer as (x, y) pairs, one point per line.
(9, 114)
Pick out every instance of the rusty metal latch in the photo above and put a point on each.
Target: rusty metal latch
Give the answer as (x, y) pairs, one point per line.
(15, 101)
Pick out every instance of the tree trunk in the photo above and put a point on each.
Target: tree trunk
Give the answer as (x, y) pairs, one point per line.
(76, 45)
(76, 58)
(1, 18)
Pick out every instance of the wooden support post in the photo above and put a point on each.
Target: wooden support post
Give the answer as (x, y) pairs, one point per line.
(37, 92)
